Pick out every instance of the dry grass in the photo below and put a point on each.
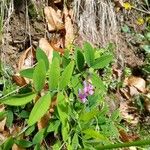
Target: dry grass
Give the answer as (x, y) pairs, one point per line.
(96, 21)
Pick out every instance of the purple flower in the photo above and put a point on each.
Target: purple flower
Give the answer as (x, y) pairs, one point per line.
(87, 90)
(82, 96)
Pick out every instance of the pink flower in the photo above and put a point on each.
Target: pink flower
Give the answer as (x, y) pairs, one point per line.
(82, 96)
(87, 90)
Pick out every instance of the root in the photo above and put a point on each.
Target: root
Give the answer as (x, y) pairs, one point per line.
(96, 21)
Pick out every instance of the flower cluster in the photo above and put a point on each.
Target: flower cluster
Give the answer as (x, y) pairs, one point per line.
(87, 90)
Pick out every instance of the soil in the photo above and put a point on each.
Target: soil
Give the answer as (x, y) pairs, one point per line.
(21, 32)
(24, 31)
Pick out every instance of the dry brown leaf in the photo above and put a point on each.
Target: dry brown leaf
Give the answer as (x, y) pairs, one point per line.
(43, 122)
(137, 82)
(147, 104)
(47, 48)
(16, 147)
(133, 91)
(118, 3)
(69, 37)
(128, 113)
(20, 81)
(125, 137)
(57, 45)
(27, 59)
(2, 122)
(53, 18)
(117, 73)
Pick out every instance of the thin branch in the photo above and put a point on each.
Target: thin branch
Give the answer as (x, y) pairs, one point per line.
(141, 10)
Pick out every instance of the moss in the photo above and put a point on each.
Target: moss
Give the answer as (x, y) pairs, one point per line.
(32, 10)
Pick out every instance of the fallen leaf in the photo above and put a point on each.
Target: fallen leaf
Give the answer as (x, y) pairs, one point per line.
(126, 137)
(147, 104)
(137, 82)
(57, 45)
(53, 18)
(16, 147)
(118, 3)
(69, 37)
(133, 91)
(27, 59)
(2, 122)
(47, 48)
(43, 122)
(20, 81)
(129, 113)
(117, 73)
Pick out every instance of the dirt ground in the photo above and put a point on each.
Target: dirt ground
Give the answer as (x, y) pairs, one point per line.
(24, 30)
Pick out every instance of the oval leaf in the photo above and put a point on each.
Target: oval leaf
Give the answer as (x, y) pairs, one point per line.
(8, 144)
(54, 74)
(28, 73)
(66, 75)
(39, 137)
(23, 143)
(79, 60)
(97, 82)
(95, 134)
(39, 76)
(89, 54)
(18, 100)
(102, 62)
(39, 109)
(40, 54)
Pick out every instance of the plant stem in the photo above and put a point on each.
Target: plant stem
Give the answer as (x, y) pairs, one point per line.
(120, 145)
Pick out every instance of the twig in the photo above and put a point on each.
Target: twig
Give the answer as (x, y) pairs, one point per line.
(141, 10)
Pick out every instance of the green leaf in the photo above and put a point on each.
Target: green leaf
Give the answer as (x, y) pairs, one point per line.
(18, 100)
(146, 48)
(79, 60)
(89, 54)
(53, 127)
(39, 109)
(65, 132)
(90, 133)
(62, 108)
(38, 147)
(54, 74)
(39, 137)
(40, 54)
(75, 141)
(66, 75)
(9, 119)
(27, 73)
(102, 61)
(23, 143)
(126, 29)
(39, 76)
(8, 144)
(3, 115)
(97, 82)
(24, 114)
(29, 130)
(89, 115)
